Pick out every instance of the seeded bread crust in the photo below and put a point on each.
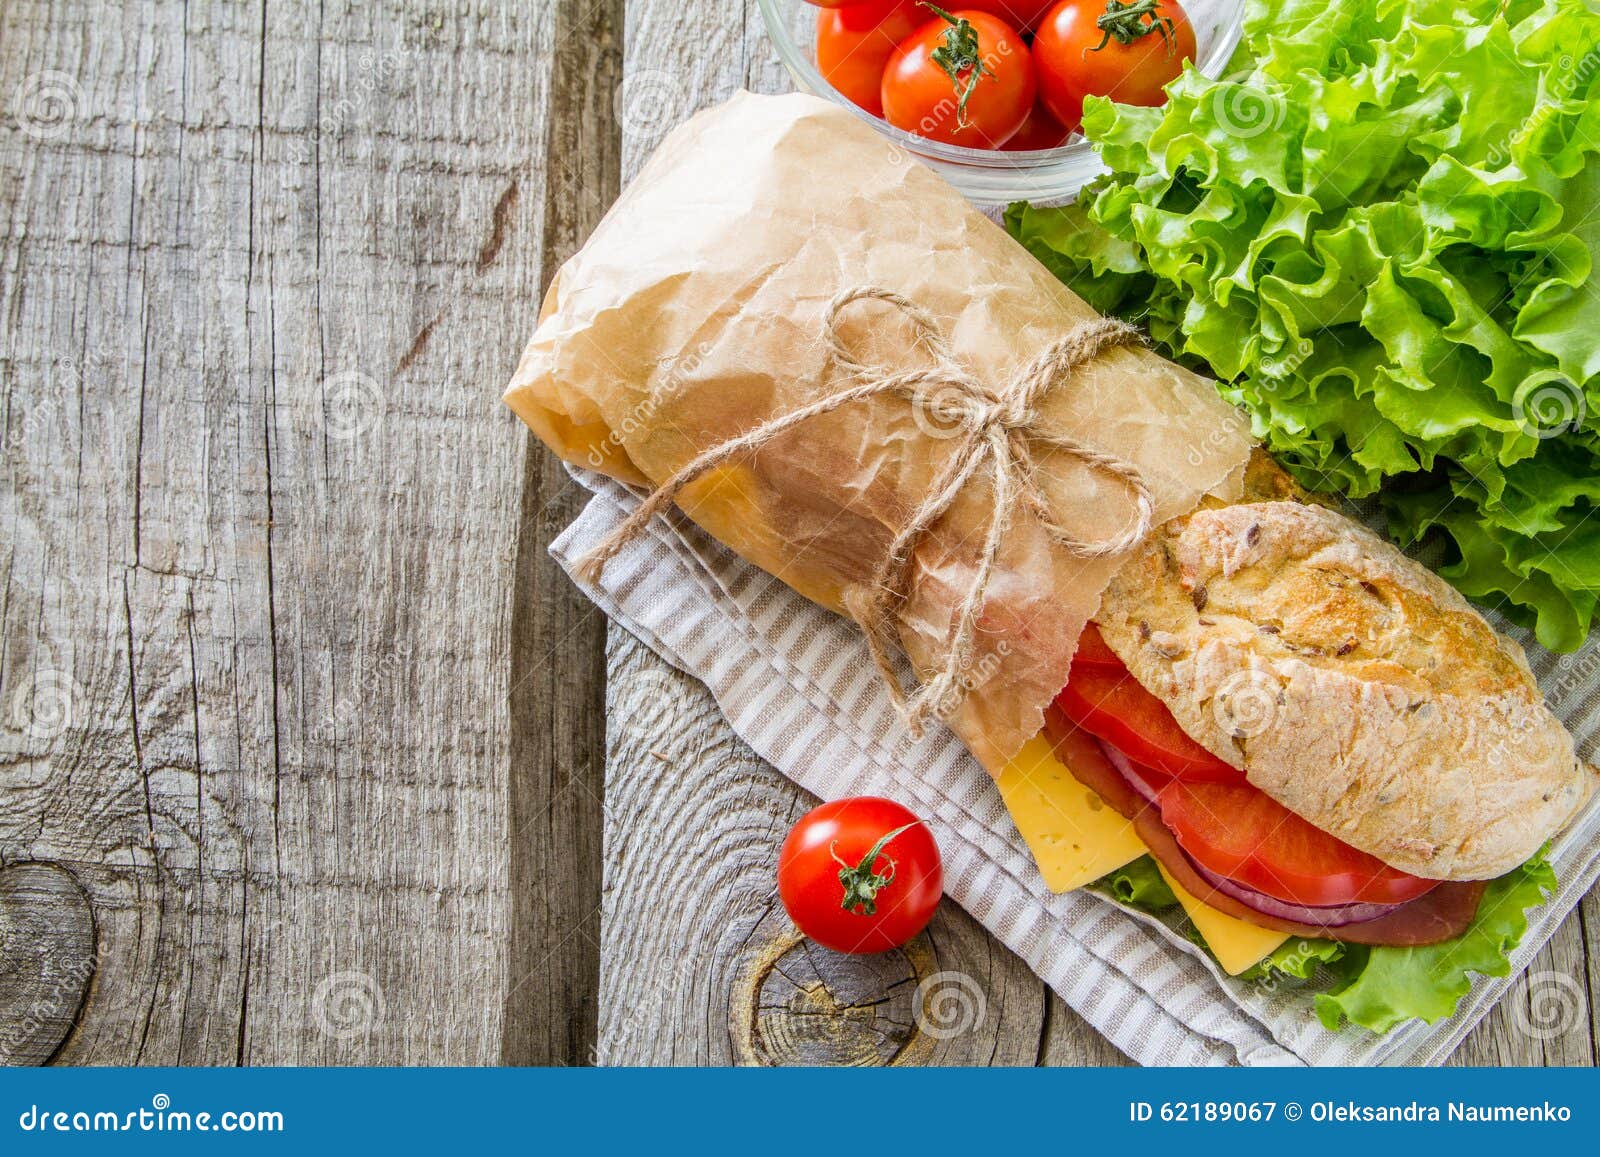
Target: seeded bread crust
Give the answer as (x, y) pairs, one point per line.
(1354, 686)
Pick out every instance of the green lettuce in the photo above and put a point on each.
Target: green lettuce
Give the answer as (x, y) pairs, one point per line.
(1139, 885)
(1384, 986)
(1379, 234)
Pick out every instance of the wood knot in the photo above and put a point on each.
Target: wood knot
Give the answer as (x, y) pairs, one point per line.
(47, 959)
(800, 1004)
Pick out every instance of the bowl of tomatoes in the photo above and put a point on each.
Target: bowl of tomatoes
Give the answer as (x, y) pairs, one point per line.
(989, 93)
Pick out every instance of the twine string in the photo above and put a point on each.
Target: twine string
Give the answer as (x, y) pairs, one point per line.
(998, 434)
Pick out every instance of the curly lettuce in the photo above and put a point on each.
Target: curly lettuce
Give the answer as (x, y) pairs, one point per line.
(1378, 232)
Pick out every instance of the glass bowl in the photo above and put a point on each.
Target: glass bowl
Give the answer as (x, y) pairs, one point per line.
(988, 178)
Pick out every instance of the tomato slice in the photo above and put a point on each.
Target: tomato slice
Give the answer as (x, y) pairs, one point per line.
(1093, 652)
(1246, 835)
(1111, 705)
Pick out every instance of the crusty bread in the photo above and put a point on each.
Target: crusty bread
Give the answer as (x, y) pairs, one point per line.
(1354, 686)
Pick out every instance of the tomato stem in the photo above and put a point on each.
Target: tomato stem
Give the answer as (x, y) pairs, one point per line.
(861, 884)
(1126, 23)
(959, 54)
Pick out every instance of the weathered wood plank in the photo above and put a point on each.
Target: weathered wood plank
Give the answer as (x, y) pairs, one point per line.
(557, 636)
(263, 271)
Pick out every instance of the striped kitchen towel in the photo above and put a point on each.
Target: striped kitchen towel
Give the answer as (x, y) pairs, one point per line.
(796, 683)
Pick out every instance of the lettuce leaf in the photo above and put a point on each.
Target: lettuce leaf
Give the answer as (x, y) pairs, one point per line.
(1379, 233)
(1385, 986)
(1138, 885)
(1295, 960)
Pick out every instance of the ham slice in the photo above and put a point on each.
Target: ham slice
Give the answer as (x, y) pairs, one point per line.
(1441, 914)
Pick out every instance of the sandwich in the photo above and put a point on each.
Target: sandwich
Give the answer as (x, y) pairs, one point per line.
(1197, 690)
(1310, 743)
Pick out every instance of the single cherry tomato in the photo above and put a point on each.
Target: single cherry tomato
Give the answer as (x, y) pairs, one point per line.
(1244, 834)
(860, 875)
(854, 44)
(964, 78)
(1112, 706)
(1126, 51)
(839, 4)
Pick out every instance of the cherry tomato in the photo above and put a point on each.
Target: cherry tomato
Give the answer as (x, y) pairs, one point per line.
(839, 4)
(1244, 834)
(1113, 706)
(860, 875)
(1126, 51)
(984, 97)
(854, 44)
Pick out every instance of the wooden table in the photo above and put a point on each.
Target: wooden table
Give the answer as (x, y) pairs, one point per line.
(305, 741)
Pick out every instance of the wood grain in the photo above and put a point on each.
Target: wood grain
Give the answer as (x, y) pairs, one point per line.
(263, 272)
(557, 636)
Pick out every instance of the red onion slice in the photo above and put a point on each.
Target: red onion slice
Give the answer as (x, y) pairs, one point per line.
(1330, 917)
(1129, 772)
(1272, 906)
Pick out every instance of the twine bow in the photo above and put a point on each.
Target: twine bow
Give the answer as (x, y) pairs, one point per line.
(996, 429)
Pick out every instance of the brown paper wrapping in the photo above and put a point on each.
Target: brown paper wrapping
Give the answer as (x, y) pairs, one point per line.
(696, 312)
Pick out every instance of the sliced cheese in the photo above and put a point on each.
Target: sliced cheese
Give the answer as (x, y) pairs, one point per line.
(1074, 836)
(1237, 944)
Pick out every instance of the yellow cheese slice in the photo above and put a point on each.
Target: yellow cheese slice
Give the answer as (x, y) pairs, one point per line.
(1074, 836)
(1237, 944)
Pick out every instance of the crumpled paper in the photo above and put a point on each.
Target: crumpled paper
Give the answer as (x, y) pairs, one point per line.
(696, 312)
